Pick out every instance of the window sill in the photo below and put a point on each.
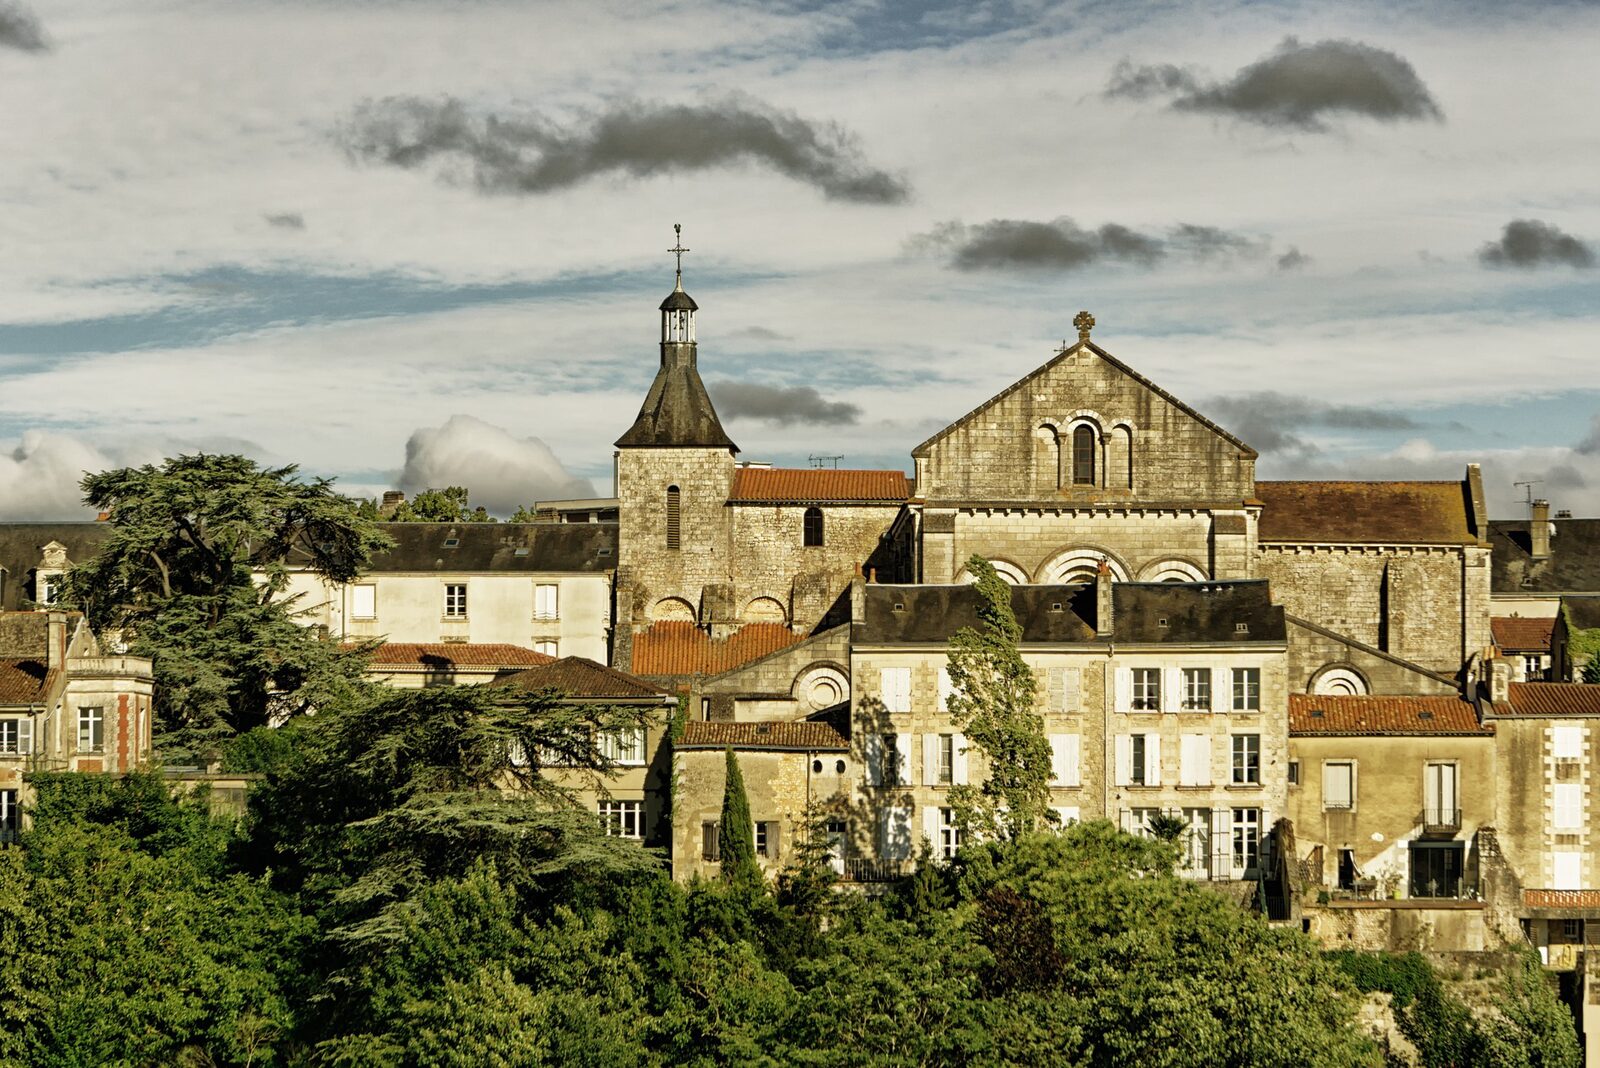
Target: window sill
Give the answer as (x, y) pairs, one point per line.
(1195, 787)
(1245, 786)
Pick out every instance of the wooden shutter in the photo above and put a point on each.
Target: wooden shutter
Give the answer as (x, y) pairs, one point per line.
(1123, 689)
(895, 833)
(958, 759)
(872, 747)
(1071, 689)
(930, 826)
(1124, 753)
(1568, 806)
(1065, 754)
(1067, 813)
(930, 760)
(945, 689)
(1567, 743)
(902, 744)
(1337, 787)
(672, 517)
(1058, 690)
(1194, 760)
(1152, 759)
(1568, 871)
(1171, 689)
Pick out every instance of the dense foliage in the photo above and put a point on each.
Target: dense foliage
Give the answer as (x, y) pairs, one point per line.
(448, 505)
(195, 575)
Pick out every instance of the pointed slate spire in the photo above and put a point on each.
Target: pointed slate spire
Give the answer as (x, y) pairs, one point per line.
(677, 412)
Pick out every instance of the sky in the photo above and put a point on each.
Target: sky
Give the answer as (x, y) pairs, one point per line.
(407, 243)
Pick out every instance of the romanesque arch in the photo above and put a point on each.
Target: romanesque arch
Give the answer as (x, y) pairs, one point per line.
(821, 686)
(1172, 569)
(764, 610)
(1008, 571)
(1339, 680)
(672, 609)
(1079, 564)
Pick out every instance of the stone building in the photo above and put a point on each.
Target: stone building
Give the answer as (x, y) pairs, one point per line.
(65, 704)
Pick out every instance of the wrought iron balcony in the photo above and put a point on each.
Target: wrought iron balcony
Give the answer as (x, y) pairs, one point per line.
(872, 870)
(1444, 821)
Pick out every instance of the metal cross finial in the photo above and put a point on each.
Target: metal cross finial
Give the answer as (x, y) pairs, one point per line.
(678, 250)
(1085, 323)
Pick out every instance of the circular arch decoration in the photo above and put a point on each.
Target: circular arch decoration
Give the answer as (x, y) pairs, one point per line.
(1337, 680)
(672, 610)
(764, 610)
(821, 686)
(1079, 565)
(1011, 573)
(1173, 569)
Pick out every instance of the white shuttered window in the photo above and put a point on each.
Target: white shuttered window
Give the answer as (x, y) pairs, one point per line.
(1194, 760)
(1065, 757)
(894, 687)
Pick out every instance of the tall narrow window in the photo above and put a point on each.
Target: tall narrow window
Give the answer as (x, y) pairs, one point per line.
(455, 600)
(1083, 456)
(813, 526)
(672, 517)
(91, 730)
(1247, 759)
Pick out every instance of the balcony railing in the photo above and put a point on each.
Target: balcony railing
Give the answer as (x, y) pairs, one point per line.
(871, 870)
(1441, 820)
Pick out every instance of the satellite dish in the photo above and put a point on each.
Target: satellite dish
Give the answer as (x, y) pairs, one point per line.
(1377, 836)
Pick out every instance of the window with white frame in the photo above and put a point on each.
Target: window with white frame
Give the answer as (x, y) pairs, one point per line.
(946, 689)
(1247, 689)
(364, 601)
(767, 838)
(1065, 760)
(1339, 784)
(894, 764)
(1246, 837)
(545, 603)
(1441, 794)
(16, 737)
(91, 730)
(622, 819)
(455, 600)
(547, 646)
(1568, 807)
(945, 754)
(1247, 759)
(1138, 759)
(1147, 689)
(1194, 760)
(1566, 742)
(1197, 689)
(950, 837)
(710, 840)
(47, 587)
(1566, 870)
(625, 746)
(10, 815)
(1138, 820)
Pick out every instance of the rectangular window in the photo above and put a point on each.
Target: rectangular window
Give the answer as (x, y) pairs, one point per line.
(10, 815)
(1138, 820)
(1137, 768)
(946, 688)
(1568, 814)
(1147, 689)
(1197, 841)
(1572, 930)
(625, 746)
(16, 737)
(547, 646)
(1566, 743)
(1441, 796)
(1567, 869)
(1194, 760)
(1197, 689)
(544, 601)
(767, 838)
(895, 689)
(1247, 689)
(1436, 868)
(893, 763)
(1066, 685)
(1338, 784)
(709, 848)
(48, 587)
(1247, 759)
(622, 819)
(950, 837)
(1246, 838)
(91, 730)
(947, 759)
(364, 601)
(1065, 759)
(455, 600)
(1294, 773)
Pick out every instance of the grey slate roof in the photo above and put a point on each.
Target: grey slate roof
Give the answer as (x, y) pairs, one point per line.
(22, 545)
(1583, 613)
(916, 614)
(499, 547)
(1194, 612)
(1198, 612)
(677, 412)
(1572, 567)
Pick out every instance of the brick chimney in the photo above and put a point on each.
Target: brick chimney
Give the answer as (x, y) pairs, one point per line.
(1103, 623)
(392, 500)
(1539, 530)
(1500, 680)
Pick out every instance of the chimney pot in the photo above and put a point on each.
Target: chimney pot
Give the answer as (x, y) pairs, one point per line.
(1103, 623)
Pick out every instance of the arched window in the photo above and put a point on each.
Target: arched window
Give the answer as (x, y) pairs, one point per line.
(813, 527)
(672, 517)
(1083, 446)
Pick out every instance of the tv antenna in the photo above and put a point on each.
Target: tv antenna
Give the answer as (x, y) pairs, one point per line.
(1528, 489)
(825, 461)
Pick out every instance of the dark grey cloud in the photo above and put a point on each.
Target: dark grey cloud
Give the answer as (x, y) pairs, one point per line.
(1293, 260)
(1297, 85)
(286, 220)
(1590, 445)
(1063, 245)
(20, 29)
(1267, 421)
(531, 153)
(784, 405)
(1531, 243)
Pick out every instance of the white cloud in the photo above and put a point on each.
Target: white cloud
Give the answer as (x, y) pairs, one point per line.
(501, 471)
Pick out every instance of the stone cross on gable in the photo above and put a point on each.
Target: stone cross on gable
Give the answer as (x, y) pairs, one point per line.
(1085, 323)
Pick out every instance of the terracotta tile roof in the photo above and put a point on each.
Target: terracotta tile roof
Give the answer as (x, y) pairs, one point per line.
(25, 682)
(435, 655)
(1551, 699)
(1377, 714)
(576, 676)
(682, 648)
(1561, 899)
(773, 484)
(1361, 513)
(805, 735)
(1521, 632)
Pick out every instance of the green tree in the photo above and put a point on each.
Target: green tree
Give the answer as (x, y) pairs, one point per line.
(992, 701)
(736, 835)
(194, 575)
(448, 505)
(1591, 671)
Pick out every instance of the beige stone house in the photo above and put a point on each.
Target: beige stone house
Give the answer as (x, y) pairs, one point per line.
(65, 704)
(412, 665)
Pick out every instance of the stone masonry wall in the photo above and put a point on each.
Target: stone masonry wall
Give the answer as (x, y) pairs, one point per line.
(998, 454)
(769, 550)
(646, 567)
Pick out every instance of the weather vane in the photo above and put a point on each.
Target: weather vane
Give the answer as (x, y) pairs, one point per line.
(678, 250)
